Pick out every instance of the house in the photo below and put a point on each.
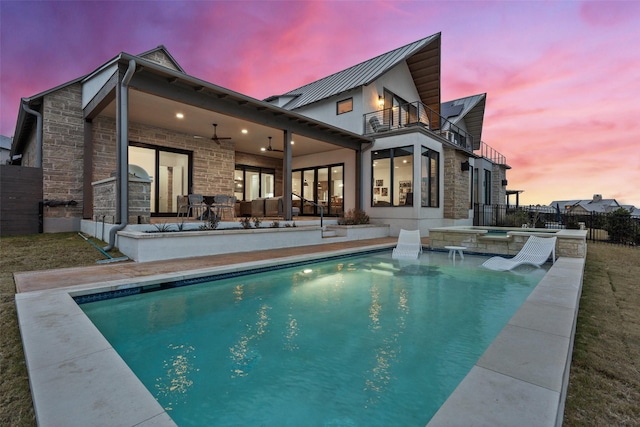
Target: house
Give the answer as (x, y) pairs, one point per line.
(123, 142)
(5, 150)
(584, 207)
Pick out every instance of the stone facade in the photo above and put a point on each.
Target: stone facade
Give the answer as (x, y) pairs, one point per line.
(457, 190)
(62, 150)
(498, 191)
(104, 201)
(570, 243)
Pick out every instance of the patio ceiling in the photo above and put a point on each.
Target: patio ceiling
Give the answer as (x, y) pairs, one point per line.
(197, 123)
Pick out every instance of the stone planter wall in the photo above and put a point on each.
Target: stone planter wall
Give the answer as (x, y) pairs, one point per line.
(104, 200)
(570, 243)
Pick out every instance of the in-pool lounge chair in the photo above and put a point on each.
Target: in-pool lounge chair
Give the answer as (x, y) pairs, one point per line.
(409, 245)
(535, 251)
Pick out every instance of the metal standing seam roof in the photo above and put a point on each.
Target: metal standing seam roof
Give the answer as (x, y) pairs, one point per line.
(355, 76)
(469, 109)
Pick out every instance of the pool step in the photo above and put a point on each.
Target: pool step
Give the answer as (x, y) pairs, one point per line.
(329, 233)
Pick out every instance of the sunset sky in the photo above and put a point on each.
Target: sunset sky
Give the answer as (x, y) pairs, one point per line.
(562, 78)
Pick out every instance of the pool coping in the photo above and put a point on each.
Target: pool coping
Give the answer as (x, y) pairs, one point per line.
(518, 377)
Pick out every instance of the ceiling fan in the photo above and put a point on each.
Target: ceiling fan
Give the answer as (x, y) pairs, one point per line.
(215, 136)
(270, 148)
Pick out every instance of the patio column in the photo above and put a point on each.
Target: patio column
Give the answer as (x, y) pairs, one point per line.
(286, 178)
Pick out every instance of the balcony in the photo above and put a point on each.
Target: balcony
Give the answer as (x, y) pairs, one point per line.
(416, 114)
(491, 154)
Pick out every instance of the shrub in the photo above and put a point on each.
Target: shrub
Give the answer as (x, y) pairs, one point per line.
(257, 221)
(354, 217)
(245, 223)
(275, 224)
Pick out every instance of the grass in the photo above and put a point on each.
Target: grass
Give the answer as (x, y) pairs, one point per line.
(604, 383)
(29, 253)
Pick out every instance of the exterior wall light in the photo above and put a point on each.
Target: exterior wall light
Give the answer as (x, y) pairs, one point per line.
(464, 166)
(380, 102)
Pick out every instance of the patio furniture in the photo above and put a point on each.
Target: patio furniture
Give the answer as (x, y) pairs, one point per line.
(225, 204)
(409, 245)
(535, 251)
(183, 206)
(454, 249)
(196, 205)
(377, 126)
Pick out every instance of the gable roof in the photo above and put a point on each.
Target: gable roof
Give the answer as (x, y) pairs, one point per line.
(161, 56)
(470, 110)
(423, 60)
(589, 205)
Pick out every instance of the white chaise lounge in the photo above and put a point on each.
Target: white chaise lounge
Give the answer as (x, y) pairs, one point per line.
(409, 245)
(535, 251)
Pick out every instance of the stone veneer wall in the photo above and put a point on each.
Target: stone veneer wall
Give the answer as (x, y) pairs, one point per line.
(456, 185)
(62, 150)
(570, 243)
(498, 191)
(213, 164)
(104, 200)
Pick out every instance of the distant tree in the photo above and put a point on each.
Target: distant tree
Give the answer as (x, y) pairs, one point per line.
(621, 227)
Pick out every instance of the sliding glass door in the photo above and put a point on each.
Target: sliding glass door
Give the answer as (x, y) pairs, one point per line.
(170, 173)
(319, 187)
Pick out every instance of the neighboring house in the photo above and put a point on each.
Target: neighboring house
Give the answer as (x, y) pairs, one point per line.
(596, 205)
(5, 150)
(372, 137)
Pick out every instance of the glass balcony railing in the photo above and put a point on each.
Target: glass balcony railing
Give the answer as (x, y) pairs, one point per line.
(416, 114)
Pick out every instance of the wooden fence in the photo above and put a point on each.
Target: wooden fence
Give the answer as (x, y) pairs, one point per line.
(20, 200)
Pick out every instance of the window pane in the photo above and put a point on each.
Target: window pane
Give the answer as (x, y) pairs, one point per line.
(146, 159)
(403, 176)
(381, 173)
(267, 185)
(308, 191)
(435, 174)
(173, 180)
(238, 184)
(345, 106)
(337, 190)
(252, 184)
(429, 176)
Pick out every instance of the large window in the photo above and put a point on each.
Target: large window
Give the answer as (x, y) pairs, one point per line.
(430, 171)
(392, 172)
(252, 182)
(170, 173)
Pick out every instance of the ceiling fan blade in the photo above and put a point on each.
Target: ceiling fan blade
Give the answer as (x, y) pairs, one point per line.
(215, 136)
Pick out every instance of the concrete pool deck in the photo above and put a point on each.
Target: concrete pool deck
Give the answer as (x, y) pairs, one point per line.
(77, 378)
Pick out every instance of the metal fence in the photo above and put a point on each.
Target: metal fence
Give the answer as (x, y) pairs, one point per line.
(616, 227)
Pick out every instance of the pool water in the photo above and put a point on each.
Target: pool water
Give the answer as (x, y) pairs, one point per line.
(358, 341)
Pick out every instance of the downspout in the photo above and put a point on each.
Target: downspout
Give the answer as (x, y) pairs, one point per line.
(122, 157)
(38, 115)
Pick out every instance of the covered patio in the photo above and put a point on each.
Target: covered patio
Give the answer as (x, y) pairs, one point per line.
(136, 110)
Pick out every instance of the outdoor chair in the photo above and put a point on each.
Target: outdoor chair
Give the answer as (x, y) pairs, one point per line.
(377, 126)
(226, 204)
(183, 205)
(196, 205)
(409, 245)
(535, 251)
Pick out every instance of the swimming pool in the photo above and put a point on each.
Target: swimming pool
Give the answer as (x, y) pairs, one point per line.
(355, 341)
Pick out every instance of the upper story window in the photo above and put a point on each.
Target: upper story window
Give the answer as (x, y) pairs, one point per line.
(344, 106)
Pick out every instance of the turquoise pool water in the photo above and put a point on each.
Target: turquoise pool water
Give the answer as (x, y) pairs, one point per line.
(358, 341)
